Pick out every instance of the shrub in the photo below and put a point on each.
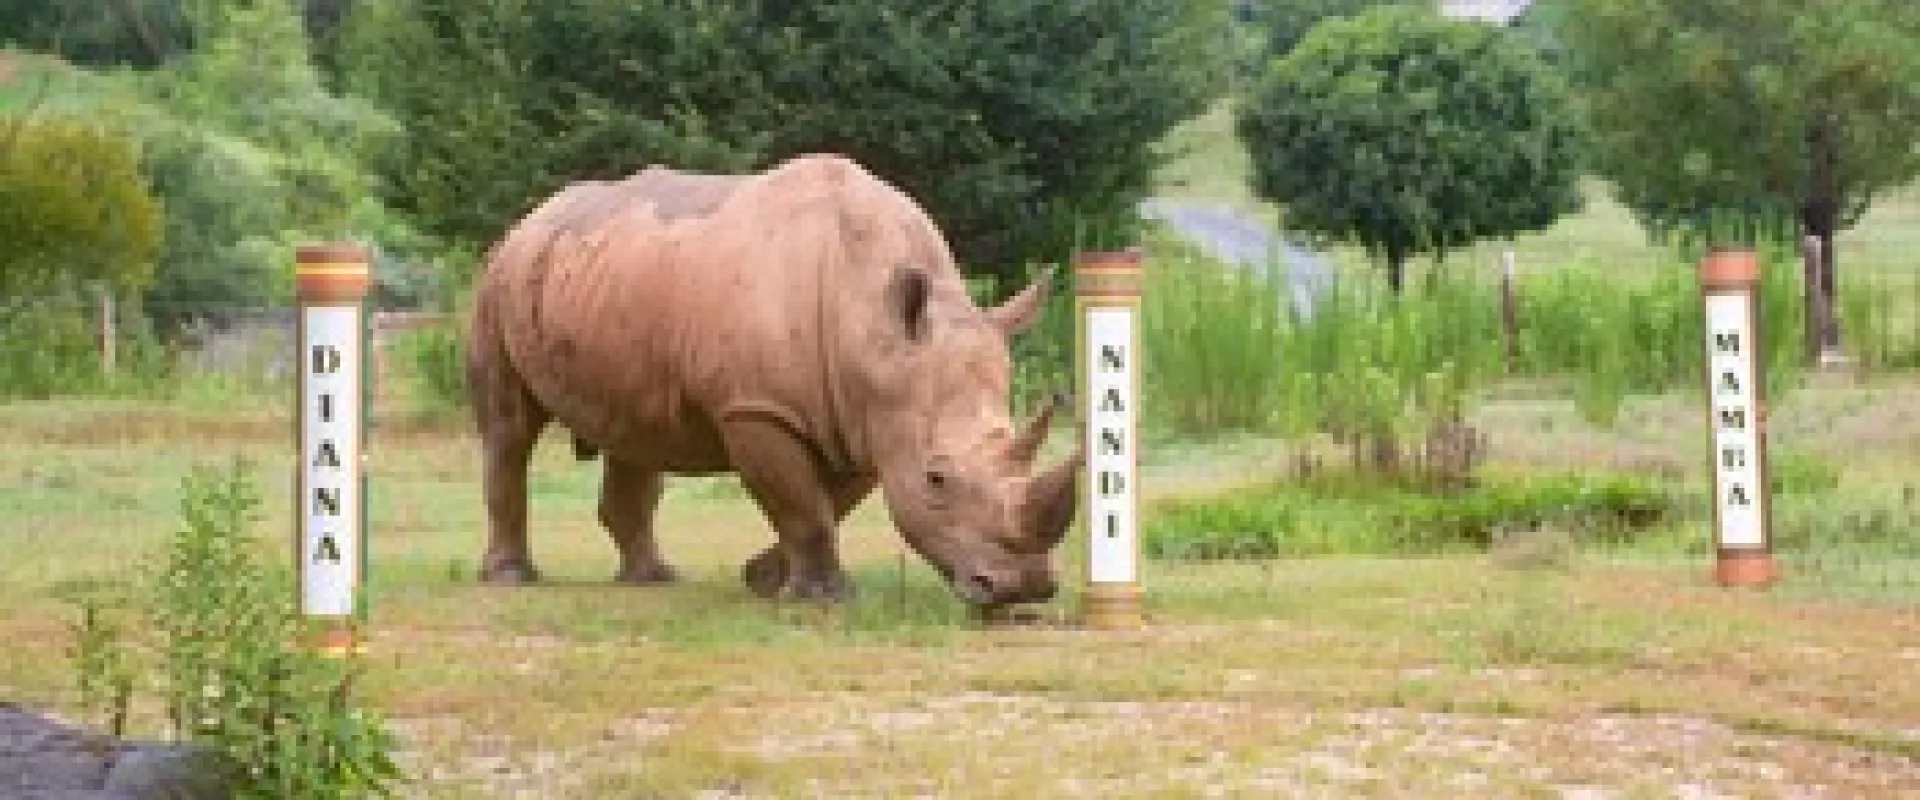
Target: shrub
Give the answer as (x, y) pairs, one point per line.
(74, 208)
(212, 630)
(438, 357)
(1354, 514)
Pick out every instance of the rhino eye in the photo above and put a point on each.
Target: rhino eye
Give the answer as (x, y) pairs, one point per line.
(936, 479)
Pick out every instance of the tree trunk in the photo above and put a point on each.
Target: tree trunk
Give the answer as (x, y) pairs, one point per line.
(1396, 269)
(1810, 270)
(1509, 312)
(1819, 217)
(1829, 291)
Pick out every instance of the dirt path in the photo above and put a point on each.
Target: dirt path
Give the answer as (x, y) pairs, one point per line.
(1238, 238)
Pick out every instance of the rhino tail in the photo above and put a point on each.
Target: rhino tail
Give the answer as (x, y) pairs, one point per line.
(583, 451)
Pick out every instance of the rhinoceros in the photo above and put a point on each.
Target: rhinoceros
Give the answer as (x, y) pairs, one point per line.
(805, 328)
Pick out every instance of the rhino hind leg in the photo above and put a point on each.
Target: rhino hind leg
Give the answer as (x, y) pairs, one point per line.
(510, 421)
(629, 496)
(765, 574)
(779, 471)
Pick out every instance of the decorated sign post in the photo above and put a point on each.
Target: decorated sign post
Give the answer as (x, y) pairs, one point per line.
(331, 282)
(1736, 417)
(1107, 293)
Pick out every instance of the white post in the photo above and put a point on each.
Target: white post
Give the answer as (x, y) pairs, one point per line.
(1736, 416)
(330, 504)
(1107, 290)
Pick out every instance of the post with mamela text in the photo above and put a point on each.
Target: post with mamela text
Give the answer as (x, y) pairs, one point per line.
(1736, 418)
(1107, 294)
(331, 283)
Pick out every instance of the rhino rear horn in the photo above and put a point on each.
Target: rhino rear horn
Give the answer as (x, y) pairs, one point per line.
(1027, 444)
(1051, 500)
(1019, 311)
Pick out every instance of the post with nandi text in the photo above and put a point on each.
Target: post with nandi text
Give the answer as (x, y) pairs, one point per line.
(331, 283)
(1107, 292)
(1736, 418)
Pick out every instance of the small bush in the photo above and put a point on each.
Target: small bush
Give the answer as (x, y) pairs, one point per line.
(212, 632)
(437, 356)
(1357, 515)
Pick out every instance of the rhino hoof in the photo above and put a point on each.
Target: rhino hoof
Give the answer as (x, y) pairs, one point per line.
(516, 573)
(649, 575)
(764, 574)
(834, 589)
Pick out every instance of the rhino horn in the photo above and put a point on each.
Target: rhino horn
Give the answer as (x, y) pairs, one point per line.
(1050, 501)
(1019, 311)
(1027, 444)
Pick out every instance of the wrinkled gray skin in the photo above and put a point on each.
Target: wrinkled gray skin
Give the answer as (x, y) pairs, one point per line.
(805, 328)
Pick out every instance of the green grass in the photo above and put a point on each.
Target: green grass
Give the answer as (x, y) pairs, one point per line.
(1251, 674)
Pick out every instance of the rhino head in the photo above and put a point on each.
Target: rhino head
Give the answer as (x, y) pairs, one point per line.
(959, 477)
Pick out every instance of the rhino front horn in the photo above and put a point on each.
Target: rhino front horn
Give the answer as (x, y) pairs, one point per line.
(1051, 500)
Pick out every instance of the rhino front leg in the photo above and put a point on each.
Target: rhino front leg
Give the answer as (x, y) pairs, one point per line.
(629, 495)
(766, 573)
(779, 471)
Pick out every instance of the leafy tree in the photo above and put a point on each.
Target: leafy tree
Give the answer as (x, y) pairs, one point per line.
(136, 33)
(1776, 114)
(1018, 124)
(74, 209)
(140, 33)
(1410, 133)
(504, 101)
(1015, 123)
(1283, 23)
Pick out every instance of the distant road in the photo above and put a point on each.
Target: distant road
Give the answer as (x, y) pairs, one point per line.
(1238, 238)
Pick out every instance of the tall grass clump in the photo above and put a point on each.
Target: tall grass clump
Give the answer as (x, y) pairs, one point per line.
(1872, 328)
(1214, 336)
(50, 347)
(1391, 376)
(1607, 336)
(210, 632)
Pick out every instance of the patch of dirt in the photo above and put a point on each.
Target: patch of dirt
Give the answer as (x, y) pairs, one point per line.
(1214, 747)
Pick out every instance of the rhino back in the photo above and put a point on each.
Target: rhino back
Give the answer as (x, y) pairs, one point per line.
(639, 311)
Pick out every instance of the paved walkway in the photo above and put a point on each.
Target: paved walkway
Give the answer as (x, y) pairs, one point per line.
(1239, 238)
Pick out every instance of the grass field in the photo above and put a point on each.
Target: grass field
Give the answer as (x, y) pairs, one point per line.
(1346, 676)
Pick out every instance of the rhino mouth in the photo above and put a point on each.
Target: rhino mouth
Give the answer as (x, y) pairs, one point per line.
(989, 589)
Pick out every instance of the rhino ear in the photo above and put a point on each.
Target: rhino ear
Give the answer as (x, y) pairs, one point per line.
(1019, 311)
(907, 300)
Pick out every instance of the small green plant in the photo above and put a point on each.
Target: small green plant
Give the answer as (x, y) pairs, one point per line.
(210, 630)
(1794, 472)
(437, 355)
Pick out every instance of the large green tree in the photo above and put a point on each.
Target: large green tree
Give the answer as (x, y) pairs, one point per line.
(1409, 133)
(1015, 123)
(1783, 115)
